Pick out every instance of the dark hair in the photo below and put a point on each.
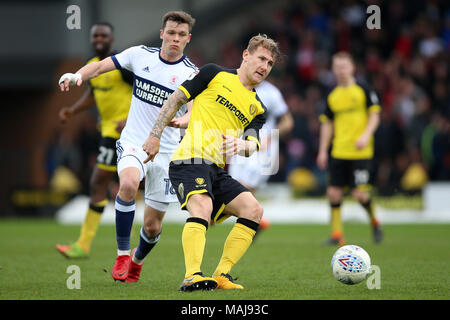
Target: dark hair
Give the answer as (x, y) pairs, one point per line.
(180, 17)
(104, 23)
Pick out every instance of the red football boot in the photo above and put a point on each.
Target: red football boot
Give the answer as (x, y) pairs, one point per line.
(134, 270)
(120, 269)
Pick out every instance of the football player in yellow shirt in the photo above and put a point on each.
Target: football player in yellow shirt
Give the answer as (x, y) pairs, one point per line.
(349, 122)
(225, 120)
(111, 93)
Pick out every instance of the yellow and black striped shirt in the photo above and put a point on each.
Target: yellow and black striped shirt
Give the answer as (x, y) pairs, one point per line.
(349, 107)
(222, 105)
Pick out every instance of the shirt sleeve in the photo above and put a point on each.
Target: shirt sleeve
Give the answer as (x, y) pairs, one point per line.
(199, 80)
(124, 60)
(327, 114)
(372, 101)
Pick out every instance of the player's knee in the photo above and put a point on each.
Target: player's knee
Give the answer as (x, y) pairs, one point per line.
(204, 211)
(152, 228)
(254, 212)
(334, 195)
(200, 205)
(128, 189)
(361, 196)
(259, 211)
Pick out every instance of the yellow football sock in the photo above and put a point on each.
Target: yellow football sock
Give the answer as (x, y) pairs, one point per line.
(90, 225)
(238, 241)
(193, 239)
(336, 221)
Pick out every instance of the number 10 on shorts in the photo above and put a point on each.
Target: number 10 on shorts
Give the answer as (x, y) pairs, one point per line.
(169, 188)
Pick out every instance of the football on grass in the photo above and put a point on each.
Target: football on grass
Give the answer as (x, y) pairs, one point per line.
(350, 264)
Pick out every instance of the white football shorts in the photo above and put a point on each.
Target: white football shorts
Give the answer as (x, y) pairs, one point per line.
(158, 189)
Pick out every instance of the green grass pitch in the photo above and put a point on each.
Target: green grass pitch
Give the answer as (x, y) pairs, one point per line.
(286, 262)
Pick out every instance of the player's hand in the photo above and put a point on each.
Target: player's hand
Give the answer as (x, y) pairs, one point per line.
(362, 142)
(232, 146)
(229, 145)
(65, 114)
(69, 79)
(151, 147)
(180, 122)
(322, 160)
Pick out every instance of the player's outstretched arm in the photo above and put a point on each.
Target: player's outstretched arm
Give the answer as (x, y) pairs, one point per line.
(89, 71)
(168, 111)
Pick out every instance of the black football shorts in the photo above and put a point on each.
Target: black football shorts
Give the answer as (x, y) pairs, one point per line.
(204, 177)
(107, 156)
(349, 173)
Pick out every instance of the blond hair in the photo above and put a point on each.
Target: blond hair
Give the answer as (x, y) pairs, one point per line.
(343, 55)
(267, 43)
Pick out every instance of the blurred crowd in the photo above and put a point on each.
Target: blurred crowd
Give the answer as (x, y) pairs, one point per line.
(406, 62)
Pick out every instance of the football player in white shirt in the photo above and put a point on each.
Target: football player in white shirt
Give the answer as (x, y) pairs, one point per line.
(254, 171)
(157, 73)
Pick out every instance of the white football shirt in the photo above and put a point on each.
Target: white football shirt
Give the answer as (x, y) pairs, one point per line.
(154, 80)
(274, 102)
(255, 170)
